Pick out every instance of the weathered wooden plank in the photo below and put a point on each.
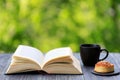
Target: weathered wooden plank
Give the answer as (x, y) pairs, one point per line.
(26, 76)
(113, 58)
(40, 77)
(3, 61)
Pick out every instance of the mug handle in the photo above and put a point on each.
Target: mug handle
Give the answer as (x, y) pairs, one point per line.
(107, 53)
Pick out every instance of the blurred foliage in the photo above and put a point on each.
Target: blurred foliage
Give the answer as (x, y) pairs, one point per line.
(47, 24)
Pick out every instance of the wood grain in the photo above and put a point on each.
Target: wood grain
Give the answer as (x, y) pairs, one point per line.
(5, 60)
(87, 75)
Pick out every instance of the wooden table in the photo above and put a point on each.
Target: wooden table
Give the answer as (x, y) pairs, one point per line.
(87, 75)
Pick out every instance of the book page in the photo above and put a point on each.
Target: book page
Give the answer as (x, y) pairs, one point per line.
(59, 66)
(29, 53)
(57, 53)
(76, 63)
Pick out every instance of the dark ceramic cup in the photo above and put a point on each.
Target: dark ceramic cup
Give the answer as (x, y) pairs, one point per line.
(90, 54)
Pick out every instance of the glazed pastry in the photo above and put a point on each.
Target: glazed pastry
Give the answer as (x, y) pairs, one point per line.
(104, 67)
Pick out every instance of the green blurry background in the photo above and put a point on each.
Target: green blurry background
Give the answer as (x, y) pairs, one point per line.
(48, 24)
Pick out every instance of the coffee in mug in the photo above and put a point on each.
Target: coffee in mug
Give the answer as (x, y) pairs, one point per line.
(90, 54)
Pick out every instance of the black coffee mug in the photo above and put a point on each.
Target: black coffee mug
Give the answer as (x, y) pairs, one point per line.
(90, 54)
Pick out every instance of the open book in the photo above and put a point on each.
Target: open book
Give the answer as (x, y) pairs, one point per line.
(56, 61)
